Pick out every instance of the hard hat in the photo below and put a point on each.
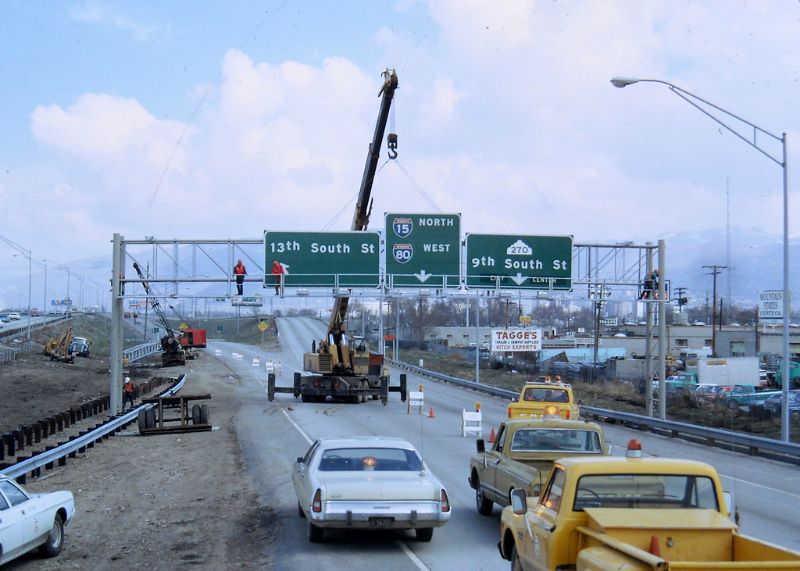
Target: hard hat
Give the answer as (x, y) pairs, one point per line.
(127, 379)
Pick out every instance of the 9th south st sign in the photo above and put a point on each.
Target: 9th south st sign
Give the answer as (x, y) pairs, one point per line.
(324, 259)
(519, 262)
(423, 250)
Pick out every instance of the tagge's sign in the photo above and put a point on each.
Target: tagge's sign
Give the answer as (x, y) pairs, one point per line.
(517, 339)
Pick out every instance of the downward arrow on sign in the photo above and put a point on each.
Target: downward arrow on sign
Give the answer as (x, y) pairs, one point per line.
(518, 279)
(422, 276)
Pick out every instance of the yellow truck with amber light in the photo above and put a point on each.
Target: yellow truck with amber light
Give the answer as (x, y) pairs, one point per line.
(523, 454)
(631, 514)
(540, 399)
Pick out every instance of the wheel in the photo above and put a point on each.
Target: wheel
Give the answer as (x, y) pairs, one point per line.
(142, 420)
(363, 397)
(482, 503)
(55, 539)
(305, 398)
(516, 564)
(300, 511)
(196, 414)
(203, 414)
(315, 533)
(271, 387)
(150, 418)
(424, 533)
(297, 385)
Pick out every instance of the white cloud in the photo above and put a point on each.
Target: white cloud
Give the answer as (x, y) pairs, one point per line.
(93, 13)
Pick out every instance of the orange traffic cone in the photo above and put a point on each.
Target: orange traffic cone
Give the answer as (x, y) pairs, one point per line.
(654, 548)
(430, 413)
(492, 436)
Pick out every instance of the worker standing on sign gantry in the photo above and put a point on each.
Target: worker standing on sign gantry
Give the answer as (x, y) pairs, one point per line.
(277, 273)
(240, 272)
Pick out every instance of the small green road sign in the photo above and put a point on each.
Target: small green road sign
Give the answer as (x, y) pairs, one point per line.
(423, 250)
(519, 262)
(323, 259)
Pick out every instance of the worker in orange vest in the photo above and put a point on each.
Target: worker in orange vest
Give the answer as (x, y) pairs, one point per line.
(277, 271)
(240, 272)
(128, 391)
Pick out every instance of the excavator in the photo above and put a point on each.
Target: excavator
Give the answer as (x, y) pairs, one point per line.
(343, 370)
(59, 348)
(172, 352)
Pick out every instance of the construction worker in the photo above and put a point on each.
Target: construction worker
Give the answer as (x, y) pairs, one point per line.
(128, 392)
(277, 272)
(240, 272)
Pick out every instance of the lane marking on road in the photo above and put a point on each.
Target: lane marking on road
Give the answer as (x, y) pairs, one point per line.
(762, 486)
(297, 426)
(413, 556)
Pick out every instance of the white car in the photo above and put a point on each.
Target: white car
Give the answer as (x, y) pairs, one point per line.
(14, 316)
(368, 482)
(30, 520)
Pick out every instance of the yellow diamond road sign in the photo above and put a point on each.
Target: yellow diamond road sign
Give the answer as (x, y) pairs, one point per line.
(262, 326)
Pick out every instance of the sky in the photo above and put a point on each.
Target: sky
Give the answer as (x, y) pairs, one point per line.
(220, 120)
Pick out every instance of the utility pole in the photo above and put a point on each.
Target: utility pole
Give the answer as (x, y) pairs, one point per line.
(715, 271)
(679, 291)
(597, 293)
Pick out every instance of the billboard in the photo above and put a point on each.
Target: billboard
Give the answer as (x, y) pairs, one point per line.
(517, 339)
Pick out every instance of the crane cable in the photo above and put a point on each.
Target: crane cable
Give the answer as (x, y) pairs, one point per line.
(348, 203)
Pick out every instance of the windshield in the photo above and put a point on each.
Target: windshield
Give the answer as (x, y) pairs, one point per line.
(367, 459)
(645, 491)
(546, 395)
(556, 440)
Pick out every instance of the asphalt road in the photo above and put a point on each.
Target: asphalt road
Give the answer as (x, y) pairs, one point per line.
(272, 435)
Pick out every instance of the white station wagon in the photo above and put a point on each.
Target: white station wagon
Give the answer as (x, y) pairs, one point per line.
(368, 482)
(30, 520)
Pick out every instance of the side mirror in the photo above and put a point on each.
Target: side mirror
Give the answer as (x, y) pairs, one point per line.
(301, 460)
(519, 501)
(480, 444)
(730, 504)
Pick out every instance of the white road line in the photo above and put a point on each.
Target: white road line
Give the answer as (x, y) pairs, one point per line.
(406, 549)
(762, 486)
(297, 426)
(413, 556)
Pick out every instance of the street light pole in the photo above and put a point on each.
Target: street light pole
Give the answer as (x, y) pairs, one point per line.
(692, 99)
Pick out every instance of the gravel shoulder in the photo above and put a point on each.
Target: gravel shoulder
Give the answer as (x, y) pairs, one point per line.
(166, 501)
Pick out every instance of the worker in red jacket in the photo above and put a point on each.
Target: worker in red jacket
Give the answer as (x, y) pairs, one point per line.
(240, 272)
(277, 271)
(128, 393)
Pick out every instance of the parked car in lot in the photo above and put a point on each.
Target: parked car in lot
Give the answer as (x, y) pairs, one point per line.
(774, 404)
(28, 521)
(368, 482)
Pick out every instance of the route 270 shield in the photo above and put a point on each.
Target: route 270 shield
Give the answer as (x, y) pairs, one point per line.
(402, 253)
(403, 227)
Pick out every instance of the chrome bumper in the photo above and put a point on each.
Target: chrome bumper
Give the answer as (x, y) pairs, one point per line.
(380, 515)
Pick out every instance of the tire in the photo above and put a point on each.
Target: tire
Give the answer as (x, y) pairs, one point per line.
(424, 533)
(483, 504)
(516, 564)
(196, 414)
(150, 418)
(300, 511)
(142, 420)
(315, 533)
(298, 388)
(271, 387)
(55, 539)
(305, 398)
(203, 414)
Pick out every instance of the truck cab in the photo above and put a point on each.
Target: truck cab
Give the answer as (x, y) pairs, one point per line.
(543, 398)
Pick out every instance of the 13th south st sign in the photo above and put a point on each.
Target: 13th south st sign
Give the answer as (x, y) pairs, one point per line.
(519, 262)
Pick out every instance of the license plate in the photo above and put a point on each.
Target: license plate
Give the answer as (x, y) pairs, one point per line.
(381, 521)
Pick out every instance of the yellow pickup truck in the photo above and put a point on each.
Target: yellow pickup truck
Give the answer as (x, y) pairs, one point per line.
(631, 514)
(544, 399)
(523, 454)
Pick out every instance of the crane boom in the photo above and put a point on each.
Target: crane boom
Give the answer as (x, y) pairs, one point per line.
(336, 326)
(171, 351)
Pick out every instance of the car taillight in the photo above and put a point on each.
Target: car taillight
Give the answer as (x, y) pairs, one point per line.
(509, 412)
(445, 501)
(567, 417)
(316, 503)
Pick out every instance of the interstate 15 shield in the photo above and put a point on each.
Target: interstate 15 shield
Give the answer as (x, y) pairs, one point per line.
(403, 227)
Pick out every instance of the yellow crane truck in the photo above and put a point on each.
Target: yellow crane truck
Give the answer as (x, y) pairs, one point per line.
(632, 514)
(523, 454)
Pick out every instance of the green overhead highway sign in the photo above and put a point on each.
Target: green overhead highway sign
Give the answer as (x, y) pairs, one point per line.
(324, 259)
(519, 262)
(423, 250)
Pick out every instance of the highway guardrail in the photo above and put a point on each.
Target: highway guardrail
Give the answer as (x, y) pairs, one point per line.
(741, 442)
(141, 351)
(80, 443)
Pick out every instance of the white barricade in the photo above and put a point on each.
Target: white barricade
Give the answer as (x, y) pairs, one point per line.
(471, 423)
(237, 356)
(256, 362)
(415, 399)
(217, 352)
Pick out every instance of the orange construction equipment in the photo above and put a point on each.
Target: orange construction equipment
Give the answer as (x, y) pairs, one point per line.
(654, 548)
(430, 413)
(492, 436)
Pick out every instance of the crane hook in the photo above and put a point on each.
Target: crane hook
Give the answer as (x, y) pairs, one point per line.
(391, 142)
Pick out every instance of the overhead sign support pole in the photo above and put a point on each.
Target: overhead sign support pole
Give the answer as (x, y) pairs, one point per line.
(115, 385)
